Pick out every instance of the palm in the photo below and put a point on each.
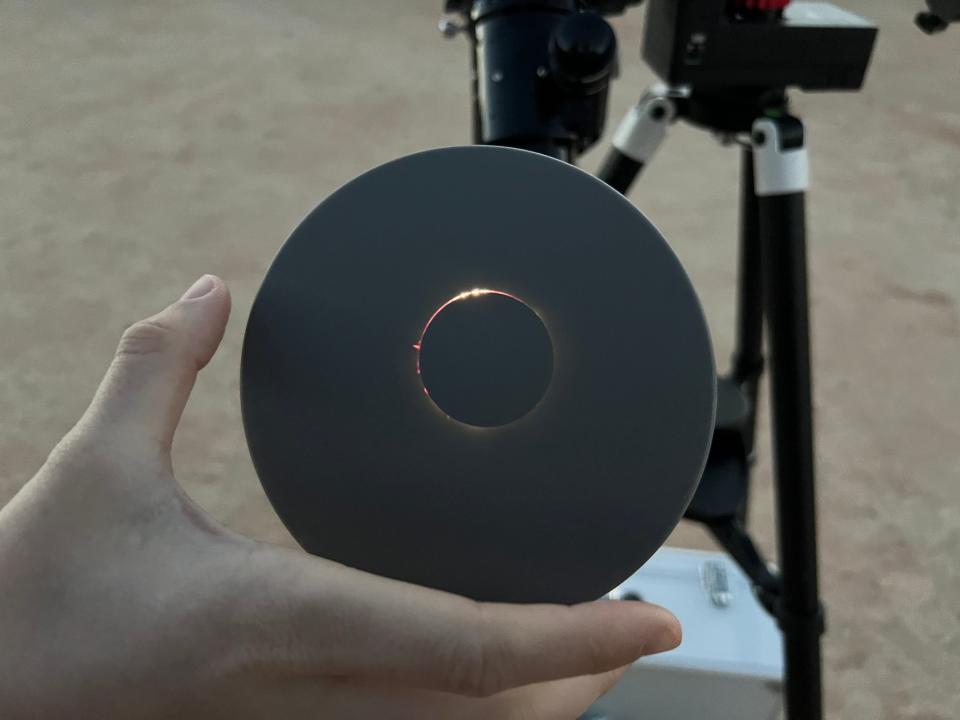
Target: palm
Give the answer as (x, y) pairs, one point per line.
(148, 608)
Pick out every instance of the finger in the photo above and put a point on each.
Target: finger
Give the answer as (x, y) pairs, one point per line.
(147, 385)
(348, 699)
(317, 617)
(557, 700)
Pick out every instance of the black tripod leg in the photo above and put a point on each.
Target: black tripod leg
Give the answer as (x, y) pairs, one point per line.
(747, 361)
(781, 178)
(748, 348)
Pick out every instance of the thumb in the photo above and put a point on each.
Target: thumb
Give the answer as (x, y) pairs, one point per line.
(147, 385)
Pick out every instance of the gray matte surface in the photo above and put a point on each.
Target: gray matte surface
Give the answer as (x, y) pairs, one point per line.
(363, 468)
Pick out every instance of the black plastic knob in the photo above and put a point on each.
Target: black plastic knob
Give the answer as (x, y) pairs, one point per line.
(931, 23)
(583, 50)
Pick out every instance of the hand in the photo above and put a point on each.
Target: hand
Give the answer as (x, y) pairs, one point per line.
(122, 599)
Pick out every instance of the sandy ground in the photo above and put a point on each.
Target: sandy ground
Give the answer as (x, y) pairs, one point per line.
(143, 144)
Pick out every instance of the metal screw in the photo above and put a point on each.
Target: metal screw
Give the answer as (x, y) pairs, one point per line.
(713, 579)
(496, 75)
(759, 138)
(450, 28)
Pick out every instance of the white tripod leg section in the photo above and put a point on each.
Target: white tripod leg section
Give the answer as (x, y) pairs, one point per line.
(640, 134)
(644, 127)
(780, 160)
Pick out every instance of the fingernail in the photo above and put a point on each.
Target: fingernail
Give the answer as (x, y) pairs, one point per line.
(200, 288)
(667, 638)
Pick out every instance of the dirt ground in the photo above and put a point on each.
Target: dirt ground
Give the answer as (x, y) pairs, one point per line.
(145, 143)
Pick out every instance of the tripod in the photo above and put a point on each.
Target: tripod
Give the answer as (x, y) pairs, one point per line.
(541, 71)
(772, 293)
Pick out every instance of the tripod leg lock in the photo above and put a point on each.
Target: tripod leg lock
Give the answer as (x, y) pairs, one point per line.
(780, 156)
(643, 128)
(640, 134)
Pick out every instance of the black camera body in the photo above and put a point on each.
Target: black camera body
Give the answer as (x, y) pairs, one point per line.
(707, 44)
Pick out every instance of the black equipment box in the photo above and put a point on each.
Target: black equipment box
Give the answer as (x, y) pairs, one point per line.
(710, 44)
